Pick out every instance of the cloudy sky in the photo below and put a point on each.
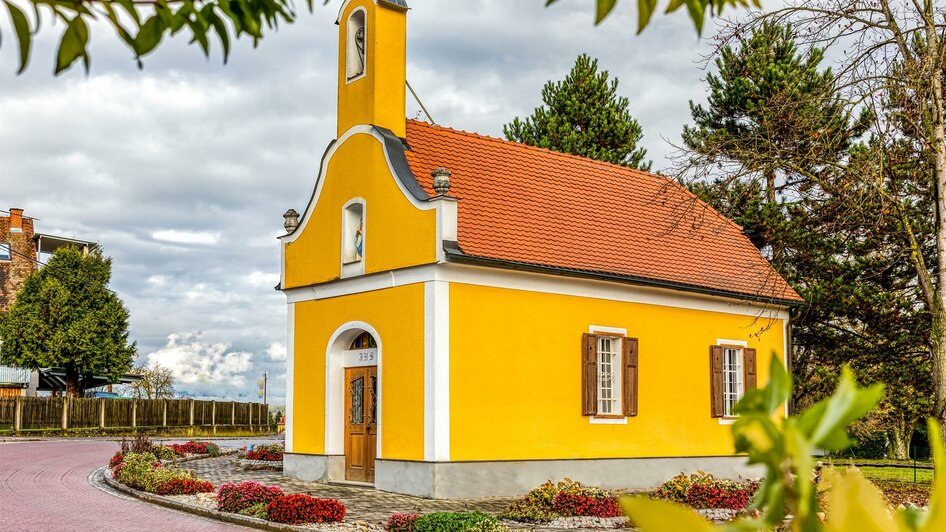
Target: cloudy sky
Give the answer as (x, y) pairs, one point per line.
(182, 170)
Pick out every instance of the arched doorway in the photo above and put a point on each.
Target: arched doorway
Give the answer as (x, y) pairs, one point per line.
(361, 409)
(352, 399)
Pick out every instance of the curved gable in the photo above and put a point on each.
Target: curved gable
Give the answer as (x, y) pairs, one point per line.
(400, 225)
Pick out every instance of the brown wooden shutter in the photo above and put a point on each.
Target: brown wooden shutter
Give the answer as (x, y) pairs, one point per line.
(748, 364)
(589, 374)
(630, 376)
(716, 379)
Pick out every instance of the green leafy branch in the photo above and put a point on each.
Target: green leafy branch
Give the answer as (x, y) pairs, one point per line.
(789, 493)
(697, 9)
(142, 24)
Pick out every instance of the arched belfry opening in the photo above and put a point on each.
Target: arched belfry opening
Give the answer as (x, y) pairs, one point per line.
(353, 393)
(356, 33)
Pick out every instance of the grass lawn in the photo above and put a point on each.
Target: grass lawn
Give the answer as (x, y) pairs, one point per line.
(897, 474)
(897, 483)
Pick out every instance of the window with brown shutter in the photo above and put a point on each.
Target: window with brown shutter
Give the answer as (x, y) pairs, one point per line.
(630, 376)
(732, 372)
(716, 380)
(749, 364)
(609, 375)
(589, 374)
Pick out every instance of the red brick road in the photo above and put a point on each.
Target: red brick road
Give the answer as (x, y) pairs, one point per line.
(44, 486)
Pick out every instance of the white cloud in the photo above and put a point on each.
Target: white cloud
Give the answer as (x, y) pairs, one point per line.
(202, 367)
(186, 237)
(263, 279)
(277, 351)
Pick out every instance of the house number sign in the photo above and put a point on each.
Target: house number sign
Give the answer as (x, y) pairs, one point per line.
(367, 356)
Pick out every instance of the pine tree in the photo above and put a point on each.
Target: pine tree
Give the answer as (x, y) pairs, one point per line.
(65, 316)
(583, 115)
(771, 111)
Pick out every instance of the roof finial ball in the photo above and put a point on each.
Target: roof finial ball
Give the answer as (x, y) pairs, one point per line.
(292, 220)
(441, 180)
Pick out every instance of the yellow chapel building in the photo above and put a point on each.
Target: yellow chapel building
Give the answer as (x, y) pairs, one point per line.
(470, 316)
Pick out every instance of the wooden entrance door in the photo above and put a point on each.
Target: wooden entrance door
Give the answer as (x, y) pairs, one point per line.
(361, 426)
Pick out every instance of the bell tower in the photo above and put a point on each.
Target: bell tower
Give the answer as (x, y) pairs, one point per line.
(372, 62)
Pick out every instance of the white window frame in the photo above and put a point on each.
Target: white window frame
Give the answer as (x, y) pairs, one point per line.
(734, 385)
(9, 251)
(609, 386)
(739, 345)
(351, 267)
(350, 46)
(617, 418)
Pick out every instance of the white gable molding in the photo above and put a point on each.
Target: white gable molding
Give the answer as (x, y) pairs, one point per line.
(445, 206)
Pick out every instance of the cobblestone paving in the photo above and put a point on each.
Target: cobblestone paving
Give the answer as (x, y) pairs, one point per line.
(364, 504)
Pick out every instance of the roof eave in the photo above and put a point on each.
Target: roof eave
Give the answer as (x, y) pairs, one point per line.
(453, 253)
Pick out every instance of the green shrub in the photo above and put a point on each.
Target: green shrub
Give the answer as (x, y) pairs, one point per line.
(257, 510)
(165, 453)
(458, 522)
(527, 510)
(135, 468)
(212, 448)
(143, 471)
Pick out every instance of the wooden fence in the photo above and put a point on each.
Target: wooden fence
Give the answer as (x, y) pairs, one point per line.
(33, 413)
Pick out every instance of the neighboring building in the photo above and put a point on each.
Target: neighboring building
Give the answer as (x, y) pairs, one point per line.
(21, 250)
(532, 316)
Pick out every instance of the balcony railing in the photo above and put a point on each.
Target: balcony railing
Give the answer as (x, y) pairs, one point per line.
(10, 375)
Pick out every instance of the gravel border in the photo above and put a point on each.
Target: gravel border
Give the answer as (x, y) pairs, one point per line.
(237, 519)
(258, 464)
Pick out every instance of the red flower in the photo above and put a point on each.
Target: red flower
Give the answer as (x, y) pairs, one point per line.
(569, 504)
(183, 486)
(236, 497)
(116, 459)
(300, 508)
(401, 523)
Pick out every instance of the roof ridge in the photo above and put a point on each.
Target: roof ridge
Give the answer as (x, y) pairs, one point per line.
(636, 171)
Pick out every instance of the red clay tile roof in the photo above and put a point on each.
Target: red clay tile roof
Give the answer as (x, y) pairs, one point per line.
(535, 207)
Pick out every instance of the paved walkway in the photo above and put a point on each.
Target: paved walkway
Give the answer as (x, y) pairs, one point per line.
(364, 504)
(44, 487)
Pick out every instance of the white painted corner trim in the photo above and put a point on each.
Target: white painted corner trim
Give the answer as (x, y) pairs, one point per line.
(290, 366)
(436, 371)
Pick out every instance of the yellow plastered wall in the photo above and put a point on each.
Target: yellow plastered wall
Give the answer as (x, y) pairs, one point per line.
(397, 314)
(378, 97)
(397, 234)
(515, 376)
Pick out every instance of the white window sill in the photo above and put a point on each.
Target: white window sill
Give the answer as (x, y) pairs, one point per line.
(607, 420)
(727, 420)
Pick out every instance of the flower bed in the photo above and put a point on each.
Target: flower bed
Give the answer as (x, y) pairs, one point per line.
(166, 453)
(236, 497)
(270, 503)
(702, 491)
(266, 453)
(300, 508)
(144, 472)
(568, 504)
